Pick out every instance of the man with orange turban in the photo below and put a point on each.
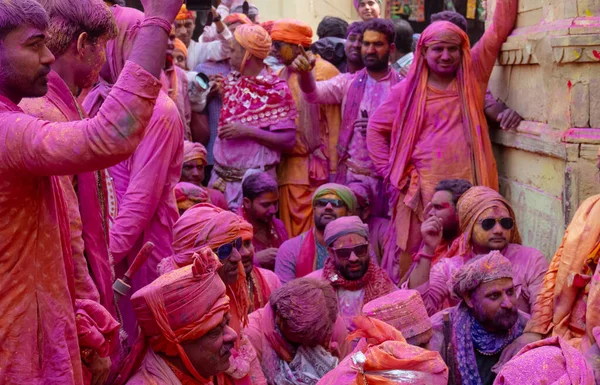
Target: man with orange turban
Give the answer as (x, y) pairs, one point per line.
(257, 119)
(309, 164)
(433, 127)
(383, 357)
(185, 337)
(204, 228)
(194, 163)
(202, 51)
(487, 222)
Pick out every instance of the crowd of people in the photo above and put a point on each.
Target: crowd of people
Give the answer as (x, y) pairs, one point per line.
(275, 207)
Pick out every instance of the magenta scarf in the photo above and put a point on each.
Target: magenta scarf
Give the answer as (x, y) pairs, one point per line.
(354, 97)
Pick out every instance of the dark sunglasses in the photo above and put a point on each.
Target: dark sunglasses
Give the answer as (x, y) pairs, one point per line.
(345, 252)
(323, 202)
(224, 251)
(489, 223)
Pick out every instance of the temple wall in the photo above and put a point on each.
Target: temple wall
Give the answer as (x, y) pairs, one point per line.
(549, 72)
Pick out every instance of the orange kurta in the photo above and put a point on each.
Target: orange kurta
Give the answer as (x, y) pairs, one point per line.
(314, 157)
(568, 303)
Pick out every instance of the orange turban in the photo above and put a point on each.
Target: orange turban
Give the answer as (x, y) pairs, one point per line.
(293, 32)
(184, 14)
(181, 47)
(193, 151)
(255, 40)
(235, 18)
(181, 306)
(246, 230)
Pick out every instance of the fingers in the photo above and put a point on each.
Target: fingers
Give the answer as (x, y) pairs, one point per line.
(428, 209)
(303, 52)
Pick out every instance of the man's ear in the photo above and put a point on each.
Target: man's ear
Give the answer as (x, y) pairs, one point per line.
(392, 49)
(82, 40)
(246, 202)
(468, 298)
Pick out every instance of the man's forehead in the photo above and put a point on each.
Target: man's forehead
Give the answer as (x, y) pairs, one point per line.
(26, 32)
(373, 36)
(501, 284)
(442, 196)
(494, 210)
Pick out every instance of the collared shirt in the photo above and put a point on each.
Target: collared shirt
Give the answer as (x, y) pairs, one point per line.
(404, 61)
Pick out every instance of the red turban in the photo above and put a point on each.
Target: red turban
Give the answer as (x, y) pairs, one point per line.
(293, 32)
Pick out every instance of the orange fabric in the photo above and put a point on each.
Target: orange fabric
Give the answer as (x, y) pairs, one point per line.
(235, 18)
(180, 46)
(560, 309)
(255, 40)
(293, 32)
(184, 14)
(309, 163)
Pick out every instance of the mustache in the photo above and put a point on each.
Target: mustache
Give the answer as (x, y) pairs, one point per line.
(226, 348)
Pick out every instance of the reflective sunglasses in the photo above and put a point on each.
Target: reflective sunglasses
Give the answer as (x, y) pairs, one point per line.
(345, 252)
(323, 202)
(224, 251)
(489, 223)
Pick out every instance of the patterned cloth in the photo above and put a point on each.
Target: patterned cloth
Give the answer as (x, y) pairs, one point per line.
(484, 269)
(188, 195)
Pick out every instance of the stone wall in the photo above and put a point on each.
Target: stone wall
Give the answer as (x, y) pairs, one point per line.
(549, 72)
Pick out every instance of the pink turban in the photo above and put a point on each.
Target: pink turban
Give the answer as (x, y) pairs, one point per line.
(255, 40)
(383, 356)
(361, 192)
(344, 226)
(193, 151)
(235, 18)
(480, 270)
(188, 195)
(550, 361)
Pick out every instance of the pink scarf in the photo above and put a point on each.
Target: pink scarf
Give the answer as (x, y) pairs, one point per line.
(307, 258)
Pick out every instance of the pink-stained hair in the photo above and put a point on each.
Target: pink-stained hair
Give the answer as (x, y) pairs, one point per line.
(15, 13)
(69, 19)
(308, 307)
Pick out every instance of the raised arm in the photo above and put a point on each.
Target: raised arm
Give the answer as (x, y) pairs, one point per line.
(488, 47)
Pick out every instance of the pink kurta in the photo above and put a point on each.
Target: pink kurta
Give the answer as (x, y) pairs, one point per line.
(38, 340)
(359, 163)
(178, 91)
(154, 370)
(529, 268)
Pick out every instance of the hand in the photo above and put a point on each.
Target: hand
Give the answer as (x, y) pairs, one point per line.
(305, 62)
(404, 71)
(234, 131)
(166, 9)
(515, 347)
(266, 258)
(99, 368)
(509, 119)
(360, 125)
(431, 230)
(217, 84)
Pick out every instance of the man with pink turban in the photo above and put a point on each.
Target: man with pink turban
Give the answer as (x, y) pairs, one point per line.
(551, 362)
(145, 208)
(205, 230)
(471, 336)
(298, 336)
(185, 337)
(487, 222)
(433, 127)
(257, 119)
(384, 357)
(351, 269)
(194, 164)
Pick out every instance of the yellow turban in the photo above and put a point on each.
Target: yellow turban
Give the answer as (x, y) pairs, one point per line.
(255, 40)
(293, 32)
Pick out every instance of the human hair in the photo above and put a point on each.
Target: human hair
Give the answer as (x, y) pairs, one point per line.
(383, 26)
(15, 13)
(358, 27)
(332, 26)
(308, 307)
(452, 17)
(252, 11)
(257, 184)
(404, 35)
(457, 187)
(69, 19)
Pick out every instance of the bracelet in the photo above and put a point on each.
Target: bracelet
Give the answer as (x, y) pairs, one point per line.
(159, 22)
(417, 257)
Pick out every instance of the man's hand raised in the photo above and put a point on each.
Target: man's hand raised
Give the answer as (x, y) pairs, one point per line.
(305, 62)
(166, 9)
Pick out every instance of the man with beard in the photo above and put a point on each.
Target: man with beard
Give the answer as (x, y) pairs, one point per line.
(351, 268)
(259, 208)
(487, 223)
(485, 321)
(352, 47)
(359, 94)
(307, 252)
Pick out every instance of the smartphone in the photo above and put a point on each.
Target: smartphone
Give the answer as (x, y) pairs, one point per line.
(202, 81)
(364, 114)
(199, 5)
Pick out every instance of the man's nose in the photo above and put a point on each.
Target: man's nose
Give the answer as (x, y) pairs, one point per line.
(353, 257)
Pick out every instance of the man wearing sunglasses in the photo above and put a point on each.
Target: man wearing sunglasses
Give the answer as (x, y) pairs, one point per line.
(350, 269)
(487, 223)
(307, 252)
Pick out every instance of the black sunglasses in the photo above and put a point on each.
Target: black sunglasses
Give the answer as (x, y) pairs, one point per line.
(323, 202)
(345, 252)
(489, 223)
(224, 251)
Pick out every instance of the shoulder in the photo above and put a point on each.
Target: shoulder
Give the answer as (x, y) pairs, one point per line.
(165, 110)
(291, 244)
(518, 253)
(317, 274)
(272, 279)
(324, 70)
